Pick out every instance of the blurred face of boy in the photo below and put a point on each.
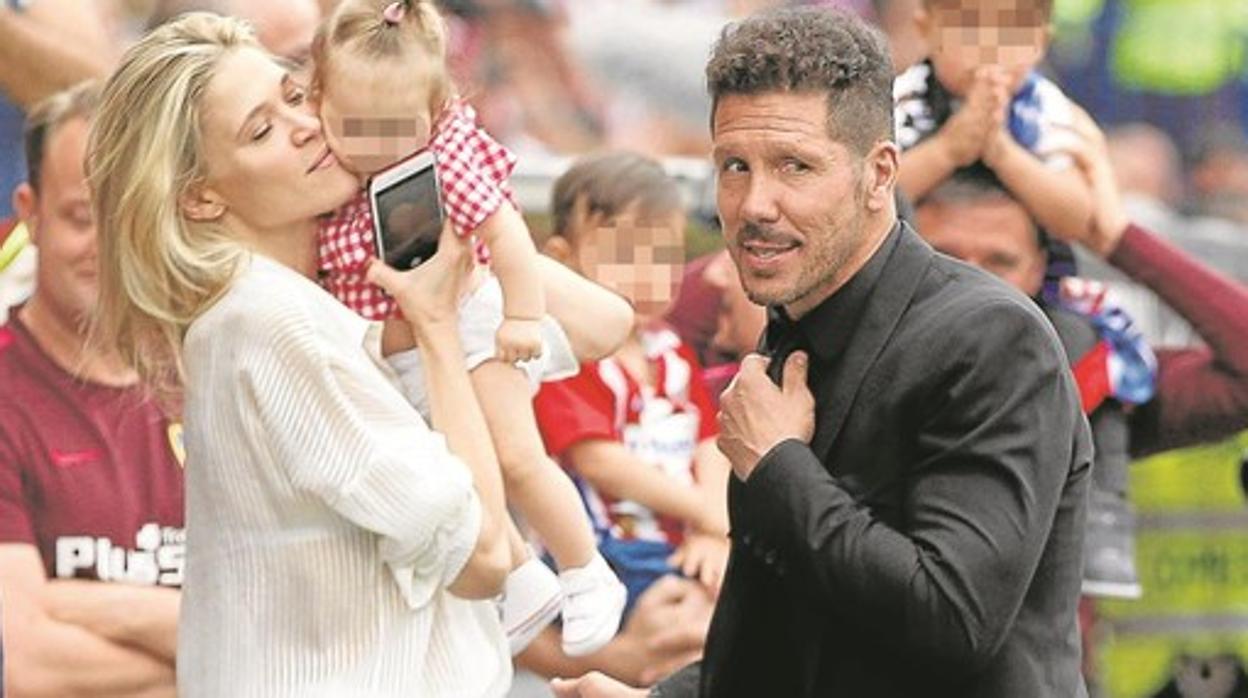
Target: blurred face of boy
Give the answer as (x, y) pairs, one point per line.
(966, 35)
(637, 257)
(739, 322)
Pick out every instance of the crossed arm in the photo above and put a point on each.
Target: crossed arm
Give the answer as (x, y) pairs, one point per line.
(77, 638)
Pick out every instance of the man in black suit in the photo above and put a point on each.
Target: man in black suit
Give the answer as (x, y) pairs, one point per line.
(911, 463)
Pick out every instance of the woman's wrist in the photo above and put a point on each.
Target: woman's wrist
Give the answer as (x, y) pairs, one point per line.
(437, 336)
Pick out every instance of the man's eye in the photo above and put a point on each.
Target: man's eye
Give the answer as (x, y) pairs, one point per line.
(733, 165)
(795, 166)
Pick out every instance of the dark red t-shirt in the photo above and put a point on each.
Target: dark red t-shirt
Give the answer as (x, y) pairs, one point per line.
(89, 474)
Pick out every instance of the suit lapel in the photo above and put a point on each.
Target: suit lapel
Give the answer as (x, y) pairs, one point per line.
(836, 389)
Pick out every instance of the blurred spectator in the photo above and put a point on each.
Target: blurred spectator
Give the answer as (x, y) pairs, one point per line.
(511, 57)
(978, 99)
(647, 59)
(739, 320)
(712, 315)
(1200, 394)
(1148, 169)
(1147, 165)
(284, 27)
(896, 18)
(45, 46)
(637, 428)
(695, 310)
(90, 472)
(1218, 173)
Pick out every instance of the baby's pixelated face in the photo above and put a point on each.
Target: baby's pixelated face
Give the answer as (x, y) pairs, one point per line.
(641, 259)
(964, 35)
(371, 120)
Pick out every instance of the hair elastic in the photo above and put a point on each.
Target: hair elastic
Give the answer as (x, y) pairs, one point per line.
(393, 14)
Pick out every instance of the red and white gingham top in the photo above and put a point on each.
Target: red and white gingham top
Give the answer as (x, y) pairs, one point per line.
(472, 170)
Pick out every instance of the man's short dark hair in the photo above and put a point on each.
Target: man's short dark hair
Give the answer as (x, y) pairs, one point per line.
(43, 120)
(811, 50)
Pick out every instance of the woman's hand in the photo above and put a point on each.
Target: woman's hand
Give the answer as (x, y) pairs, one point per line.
(429, 294)
(1109, 218)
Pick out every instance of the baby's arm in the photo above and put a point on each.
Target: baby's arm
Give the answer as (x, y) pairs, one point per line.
(596, 320)
(960, 141)
(1059, 200)
(611, 468)
(514, 262)
(925, 166)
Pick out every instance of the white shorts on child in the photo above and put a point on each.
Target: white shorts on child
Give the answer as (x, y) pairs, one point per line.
(480, 314)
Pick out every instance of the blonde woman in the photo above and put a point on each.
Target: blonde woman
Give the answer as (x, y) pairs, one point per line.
(337, 546)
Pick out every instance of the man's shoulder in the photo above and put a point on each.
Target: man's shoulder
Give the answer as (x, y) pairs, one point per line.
(1075, 331)
(960, 287)
(957, 305)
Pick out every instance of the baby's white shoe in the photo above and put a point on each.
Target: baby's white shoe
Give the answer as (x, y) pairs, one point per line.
(531, 599)
(593, 601)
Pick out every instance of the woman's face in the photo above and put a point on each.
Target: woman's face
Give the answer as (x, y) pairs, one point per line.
(268, 164)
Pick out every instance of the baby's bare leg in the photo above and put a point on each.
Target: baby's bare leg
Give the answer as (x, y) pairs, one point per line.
(534, 484)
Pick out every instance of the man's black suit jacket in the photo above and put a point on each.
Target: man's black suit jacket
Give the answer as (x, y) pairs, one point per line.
(927, 543)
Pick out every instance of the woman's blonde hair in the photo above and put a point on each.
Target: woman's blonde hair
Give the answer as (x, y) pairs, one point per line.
(367, 29)
(158, 270)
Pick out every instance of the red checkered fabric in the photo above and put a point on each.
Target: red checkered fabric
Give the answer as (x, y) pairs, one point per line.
(472, 170)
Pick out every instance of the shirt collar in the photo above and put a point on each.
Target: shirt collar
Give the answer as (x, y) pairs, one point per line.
(827, 329)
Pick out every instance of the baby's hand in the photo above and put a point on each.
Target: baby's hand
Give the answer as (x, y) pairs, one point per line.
(702, 557)
(518, 340)
(970, 130)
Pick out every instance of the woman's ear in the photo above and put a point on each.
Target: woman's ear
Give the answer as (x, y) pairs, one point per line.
(200, 203)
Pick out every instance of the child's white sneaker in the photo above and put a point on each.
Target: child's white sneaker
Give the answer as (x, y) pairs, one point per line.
(530, 601)
(593, 601)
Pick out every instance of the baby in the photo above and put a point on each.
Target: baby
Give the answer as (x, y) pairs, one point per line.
(382, 86)
(977, 98)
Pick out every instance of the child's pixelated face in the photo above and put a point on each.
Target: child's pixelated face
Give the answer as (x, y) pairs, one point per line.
(640, 259)
(964, 35)
(372, 119)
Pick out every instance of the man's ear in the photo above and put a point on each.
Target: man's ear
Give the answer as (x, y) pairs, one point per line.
(880, 175)
(198, 202)
(26, 206)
